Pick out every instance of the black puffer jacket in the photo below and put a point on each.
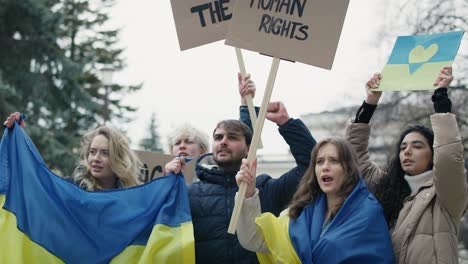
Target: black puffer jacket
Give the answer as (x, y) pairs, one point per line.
(212, 198)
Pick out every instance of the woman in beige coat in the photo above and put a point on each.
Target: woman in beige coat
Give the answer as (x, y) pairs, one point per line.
(423, 190)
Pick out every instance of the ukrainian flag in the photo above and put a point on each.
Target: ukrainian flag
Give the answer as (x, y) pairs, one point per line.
(45, 219)
(416, 60)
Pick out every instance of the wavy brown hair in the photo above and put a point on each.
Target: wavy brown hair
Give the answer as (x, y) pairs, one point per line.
(309, 188)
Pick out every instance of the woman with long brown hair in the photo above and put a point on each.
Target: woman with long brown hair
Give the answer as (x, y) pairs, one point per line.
(332, 217)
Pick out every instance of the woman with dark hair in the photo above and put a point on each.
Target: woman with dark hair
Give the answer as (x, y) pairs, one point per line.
(423, 190)
(332, 218)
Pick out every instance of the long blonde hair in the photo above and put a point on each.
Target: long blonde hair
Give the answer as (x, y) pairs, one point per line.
(123, 161)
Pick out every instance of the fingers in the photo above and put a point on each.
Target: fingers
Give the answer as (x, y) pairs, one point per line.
(245, 165)
(9, 122)
(245, 173)
(445, 77)
(276, 112)
(372, 96)
(12, 119)
(446, 70)
(248, 88)
(374, 82)
(246, 85)
(244, 176)
(274, 107)
(175, 166)
(243, 79)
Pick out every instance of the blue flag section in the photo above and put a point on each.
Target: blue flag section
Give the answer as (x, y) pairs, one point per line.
(420, 49)
(357, 234)
(46, 219)
(416, 60)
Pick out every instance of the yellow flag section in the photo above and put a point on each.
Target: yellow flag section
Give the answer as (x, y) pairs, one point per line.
(46, 219)
(276, 233)
(16, 247)
(163, 246)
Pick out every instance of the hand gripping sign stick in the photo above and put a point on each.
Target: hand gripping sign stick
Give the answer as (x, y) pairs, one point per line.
(255, 140)
(248, 97)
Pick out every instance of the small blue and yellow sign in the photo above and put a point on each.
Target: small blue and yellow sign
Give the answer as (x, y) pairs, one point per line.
(416, 60)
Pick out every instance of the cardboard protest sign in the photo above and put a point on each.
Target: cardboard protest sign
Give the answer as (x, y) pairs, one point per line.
(416, 60)
(199, 22)
(153, 164)
(299, 30)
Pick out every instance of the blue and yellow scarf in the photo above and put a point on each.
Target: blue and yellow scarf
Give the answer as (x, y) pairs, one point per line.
(357, 234)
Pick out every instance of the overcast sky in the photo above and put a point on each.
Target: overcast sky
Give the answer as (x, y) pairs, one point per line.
(199, 85)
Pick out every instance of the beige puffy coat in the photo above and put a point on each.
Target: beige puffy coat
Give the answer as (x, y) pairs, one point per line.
(427, 226)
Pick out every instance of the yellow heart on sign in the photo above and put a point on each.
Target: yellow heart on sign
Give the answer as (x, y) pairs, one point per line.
(420, 54)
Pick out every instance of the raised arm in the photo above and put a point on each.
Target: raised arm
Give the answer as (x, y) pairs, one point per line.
(246, 86)
(248, 233)
(277, 193)
(449, 175)
(358, 133)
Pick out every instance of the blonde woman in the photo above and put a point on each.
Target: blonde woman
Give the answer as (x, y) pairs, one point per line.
(187, 141)
(106, 160)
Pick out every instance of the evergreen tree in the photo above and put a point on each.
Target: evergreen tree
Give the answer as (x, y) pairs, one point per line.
(52, 51)
(152, 142)
(93, 47)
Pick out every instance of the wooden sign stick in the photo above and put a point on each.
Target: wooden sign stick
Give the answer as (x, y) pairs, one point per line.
(255, 140)
(248, 97)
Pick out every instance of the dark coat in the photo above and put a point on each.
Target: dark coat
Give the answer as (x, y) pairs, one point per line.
(212, 198)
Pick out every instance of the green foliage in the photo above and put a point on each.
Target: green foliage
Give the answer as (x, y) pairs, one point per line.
(152, 142)
(52, 51)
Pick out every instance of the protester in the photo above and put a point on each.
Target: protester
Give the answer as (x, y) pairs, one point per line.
(106, 160)
(45, 219)
(423, 190)
(333, 218)
(188, 141)
(212, 197)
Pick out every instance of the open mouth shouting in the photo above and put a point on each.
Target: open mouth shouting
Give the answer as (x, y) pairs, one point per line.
(327, 180)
